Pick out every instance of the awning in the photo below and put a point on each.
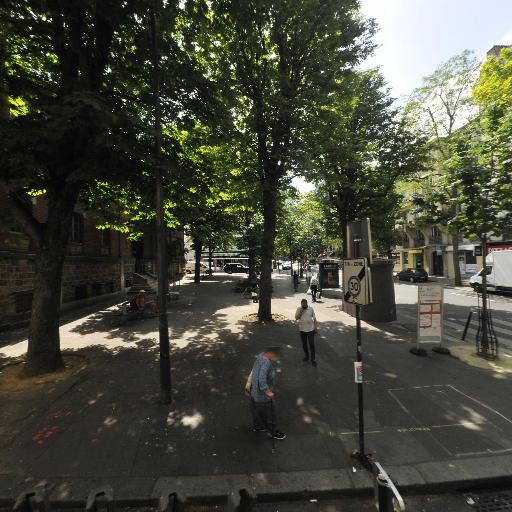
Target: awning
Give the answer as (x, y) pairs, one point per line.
(462, 247)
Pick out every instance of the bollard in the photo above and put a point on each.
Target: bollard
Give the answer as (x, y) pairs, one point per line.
(242, 501)
(387, 497)
(171, 502)
(466, 327)
(106, 492)
(33, 499)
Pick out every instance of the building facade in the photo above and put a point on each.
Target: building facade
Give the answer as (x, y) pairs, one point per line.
(430, 247)
(100, 263)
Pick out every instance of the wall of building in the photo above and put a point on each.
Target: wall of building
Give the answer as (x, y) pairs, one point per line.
(97, 265)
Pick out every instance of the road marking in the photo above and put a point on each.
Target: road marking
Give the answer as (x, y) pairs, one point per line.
(502, 322)
(472, 327)
(485, 452)
(482, 404)
(429, 428)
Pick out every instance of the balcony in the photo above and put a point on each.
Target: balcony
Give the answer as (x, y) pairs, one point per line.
(419, 242)
(435, 240)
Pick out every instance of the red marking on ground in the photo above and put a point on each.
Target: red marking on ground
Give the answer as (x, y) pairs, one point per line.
(43, 434)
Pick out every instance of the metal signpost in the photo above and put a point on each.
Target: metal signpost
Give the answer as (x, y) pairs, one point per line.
(430, 318)
(357, 290)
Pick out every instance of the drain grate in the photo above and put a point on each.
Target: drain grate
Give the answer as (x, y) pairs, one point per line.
(493, 503)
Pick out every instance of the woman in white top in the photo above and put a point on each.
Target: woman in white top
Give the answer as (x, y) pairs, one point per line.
(307, 327)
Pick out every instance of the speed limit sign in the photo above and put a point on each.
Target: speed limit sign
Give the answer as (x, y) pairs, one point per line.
(356, 281)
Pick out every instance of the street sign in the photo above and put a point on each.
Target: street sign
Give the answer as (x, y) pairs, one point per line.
(356, 282)
(430, 313)
(359, 239)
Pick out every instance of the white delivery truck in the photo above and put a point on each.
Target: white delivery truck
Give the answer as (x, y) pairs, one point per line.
(498, 267)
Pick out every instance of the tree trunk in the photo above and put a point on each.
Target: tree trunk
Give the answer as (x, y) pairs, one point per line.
(43, 354)
(485, 327)
(267, 250)
(455, 256)
(341, 209)
(252, 261)
(210, 256)
(198, 249)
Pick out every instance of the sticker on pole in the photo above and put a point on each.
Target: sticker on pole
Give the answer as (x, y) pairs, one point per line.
(358, 372)
(356, 289)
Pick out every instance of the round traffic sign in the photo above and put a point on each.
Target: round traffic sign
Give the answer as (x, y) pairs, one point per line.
(354, 286)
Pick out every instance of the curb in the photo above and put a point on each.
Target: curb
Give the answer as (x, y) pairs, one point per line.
(422, 478)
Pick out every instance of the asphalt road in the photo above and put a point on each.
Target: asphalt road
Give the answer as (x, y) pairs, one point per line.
(458, 303)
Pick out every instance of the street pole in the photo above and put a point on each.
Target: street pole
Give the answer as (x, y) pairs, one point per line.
(361, 454)
(163, 279)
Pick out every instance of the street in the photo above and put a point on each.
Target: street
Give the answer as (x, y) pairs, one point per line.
(458, 302)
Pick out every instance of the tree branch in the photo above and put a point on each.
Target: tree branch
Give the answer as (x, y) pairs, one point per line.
(23, 214)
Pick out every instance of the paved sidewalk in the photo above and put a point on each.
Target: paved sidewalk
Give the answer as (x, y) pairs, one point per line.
(428, 419)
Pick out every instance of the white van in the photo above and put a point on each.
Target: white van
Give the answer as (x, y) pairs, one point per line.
(498, 267)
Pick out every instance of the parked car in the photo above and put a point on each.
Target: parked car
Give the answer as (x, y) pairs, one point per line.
(236, 268)
(286, 265)
(413, 275)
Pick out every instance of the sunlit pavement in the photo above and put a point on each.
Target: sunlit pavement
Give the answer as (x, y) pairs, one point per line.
(428, 418)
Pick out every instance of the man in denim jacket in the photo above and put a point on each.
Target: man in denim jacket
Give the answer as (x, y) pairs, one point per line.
(262, 393)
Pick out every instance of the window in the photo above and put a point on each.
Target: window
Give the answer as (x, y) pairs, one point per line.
(15, 226)
(105, 241)
(470, 257)
(435, 231)
(23, 302)
(77, 228)
(80, 291)
(96, 289)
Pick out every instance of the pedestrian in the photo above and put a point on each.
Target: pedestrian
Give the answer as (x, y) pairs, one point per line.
(313, 284)
(262, 380)
(307, 327)
(295, 281)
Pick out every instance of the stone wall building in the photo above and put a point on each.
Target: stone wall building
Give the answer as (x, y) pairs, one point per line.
(99, 263)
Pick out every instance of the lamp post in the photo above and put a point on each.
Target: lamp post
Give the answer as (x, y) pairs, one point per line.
(163, 280)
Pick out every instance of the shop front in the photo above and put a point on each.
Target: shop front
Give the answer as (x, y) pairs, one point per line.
(470, 259)
(411, 258)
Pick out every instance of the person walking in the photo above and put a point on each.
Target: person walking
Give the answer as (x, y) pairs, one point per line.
(262, 393)
(313, 284)
(307, 327)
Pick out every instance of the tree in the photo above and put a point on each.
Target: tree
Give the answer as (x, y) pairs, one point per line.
(493, 95)
(484, 186)
(361, 148)
(440, 106)
(301, 233)
(78, 78)
(276, 57)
